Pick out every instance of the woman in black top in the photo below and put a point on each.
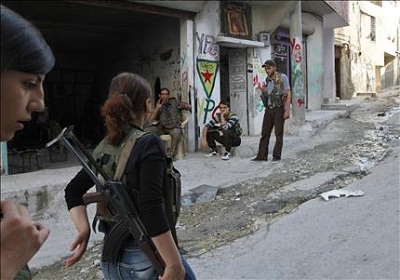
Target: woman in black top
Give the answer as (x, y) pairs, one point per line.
(128, 107)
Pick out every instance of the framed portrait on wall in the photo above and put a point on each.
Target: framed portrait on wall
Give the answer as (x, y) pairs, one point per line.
(236, 20)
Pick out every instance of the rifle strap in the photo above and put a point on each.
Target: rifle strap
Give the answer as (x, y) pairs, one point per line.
(123, 158)
(125, 153)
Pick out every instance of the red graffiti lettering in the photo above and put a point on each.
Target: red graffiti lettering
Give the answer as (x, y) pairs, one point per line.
(292, 42)
(300, 102)
(297, 56)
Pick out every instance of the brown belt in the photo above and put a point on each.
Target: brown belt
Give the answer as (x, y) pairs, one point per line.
(273, 106)
(169, 126)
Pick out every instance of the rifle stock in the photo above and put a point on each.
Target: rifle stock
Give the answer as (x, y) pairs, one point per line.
(117, 195)
(92, 197)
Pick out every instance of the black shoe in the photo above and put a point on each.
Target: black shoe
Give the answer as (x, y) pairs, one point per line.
(258, 159)
(276, 160)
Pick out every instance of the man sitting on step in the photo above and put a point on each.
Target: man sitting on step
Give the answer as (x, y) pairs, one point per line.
(224, 128)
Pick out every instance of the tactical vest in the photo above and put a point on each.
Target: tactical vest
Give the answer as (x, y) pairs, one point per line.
(107, 157)
(170, 115)
(276, 95)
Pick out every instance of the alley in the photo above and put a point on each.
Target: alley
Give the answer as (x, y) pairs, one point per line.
(337, 156)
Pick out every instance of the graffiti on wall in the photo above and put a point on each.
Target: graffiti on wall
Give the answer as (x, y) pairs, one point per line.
(207, 68)
(297, 71)
(207, 71)
(184, 78)
(207, 46)
(259, 76)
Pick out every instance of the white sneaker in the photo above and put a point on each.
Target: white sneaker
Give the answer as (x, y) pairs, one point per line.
(212, 154)
(226, 156)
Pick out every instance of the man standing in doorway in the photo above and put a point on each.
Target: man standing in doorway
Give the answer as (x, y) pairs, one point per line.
(276, 97)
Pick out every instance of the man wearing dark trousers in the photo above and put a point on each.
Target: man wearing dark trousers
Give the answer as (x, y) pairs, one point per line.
(276, 97)
(223, 128)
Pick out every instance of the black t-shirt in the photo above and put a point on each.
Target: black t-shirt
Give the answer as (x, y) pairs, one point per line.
(144, 173)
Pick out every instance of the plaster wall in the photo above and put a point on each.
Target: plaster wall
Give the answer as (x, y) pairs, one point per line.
(206, 55)
(157, 55)
(372, 63)
(329, 64)
(265, 19)
(315, 62)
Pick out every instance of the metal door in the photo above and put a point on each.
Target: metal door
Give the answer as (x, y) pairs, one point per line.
(238, 85)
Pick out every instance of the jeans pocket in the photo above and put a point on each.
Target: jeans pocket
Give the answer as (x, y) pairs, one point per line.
(134, 264)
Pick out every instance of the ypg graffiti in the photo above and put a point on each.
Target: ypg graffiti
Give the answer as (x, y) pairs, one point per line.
(207, 68)
(207, 46)
(297, 71)
(207, 71)
(259, 82)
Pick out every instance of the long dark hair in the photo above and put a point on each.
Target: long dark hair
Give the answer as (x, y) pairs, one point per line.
(126, 105)
(22, 45)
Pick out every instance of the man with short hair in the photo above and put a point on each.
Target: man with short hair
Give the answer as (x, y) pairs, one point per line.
(223, 128)
(276, 97)
(168, 114)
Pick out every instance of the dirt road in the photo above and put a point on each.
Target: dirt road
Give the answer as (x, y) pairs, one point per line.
(359, 141)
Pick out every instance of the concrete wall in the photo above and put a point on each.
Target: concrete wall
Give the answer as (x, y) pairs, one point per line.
(257, 56)
(206, 58)
(157, 54)
(373, 63)
(315, 62)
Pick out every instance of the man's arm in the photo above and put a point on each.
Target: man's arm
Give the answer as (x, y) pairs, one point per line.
(287, 96)
(230, 122)
(154, 114)
(204, 138)
(287, 99)
(184, 106)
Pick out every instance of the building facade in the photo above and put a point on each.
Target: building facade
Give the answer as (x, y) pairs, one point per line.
(203, 51)
(367, 51)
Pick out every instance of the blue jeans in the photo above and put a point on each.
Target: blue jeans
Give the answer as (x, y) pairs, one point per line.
(134, 264)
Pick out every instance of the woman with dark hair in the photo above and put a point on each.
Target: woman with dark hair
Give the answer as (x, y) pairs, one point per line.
(127, 109)
(25, 60)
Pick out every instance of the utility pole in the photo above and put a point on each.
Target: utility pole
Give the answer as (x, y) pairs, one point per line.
(297, 73)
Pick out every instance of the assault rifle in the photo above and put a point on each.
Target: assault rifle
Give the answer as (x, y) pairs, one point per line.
(114, 193)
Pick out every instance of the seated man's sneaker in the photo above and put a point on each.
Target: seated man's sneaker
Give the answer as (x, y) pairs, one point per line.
(226, 156)
(212, 154)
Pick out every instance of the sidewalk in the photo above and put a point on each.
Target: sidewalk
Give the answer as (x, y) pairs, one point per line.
(41, 186)
(44, 189)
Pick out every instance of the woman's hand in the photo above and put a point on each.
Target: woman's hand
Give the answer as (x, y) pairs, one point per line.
(172, 273)
(78, 248)
(21, 238)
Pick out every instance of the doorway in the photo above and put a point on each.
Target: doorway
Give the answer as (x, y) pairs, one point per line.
(233, 79)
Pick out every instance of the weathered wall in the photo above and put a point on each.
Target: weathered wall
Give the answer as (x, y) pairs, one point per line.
(206, 56)
(373, 60)
(315, 65)
(158, 60)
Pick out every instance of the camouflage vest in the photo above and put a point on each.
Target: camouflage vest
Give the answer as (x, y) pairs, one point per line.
(276, 96)
(170, 115)
(107, 157)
